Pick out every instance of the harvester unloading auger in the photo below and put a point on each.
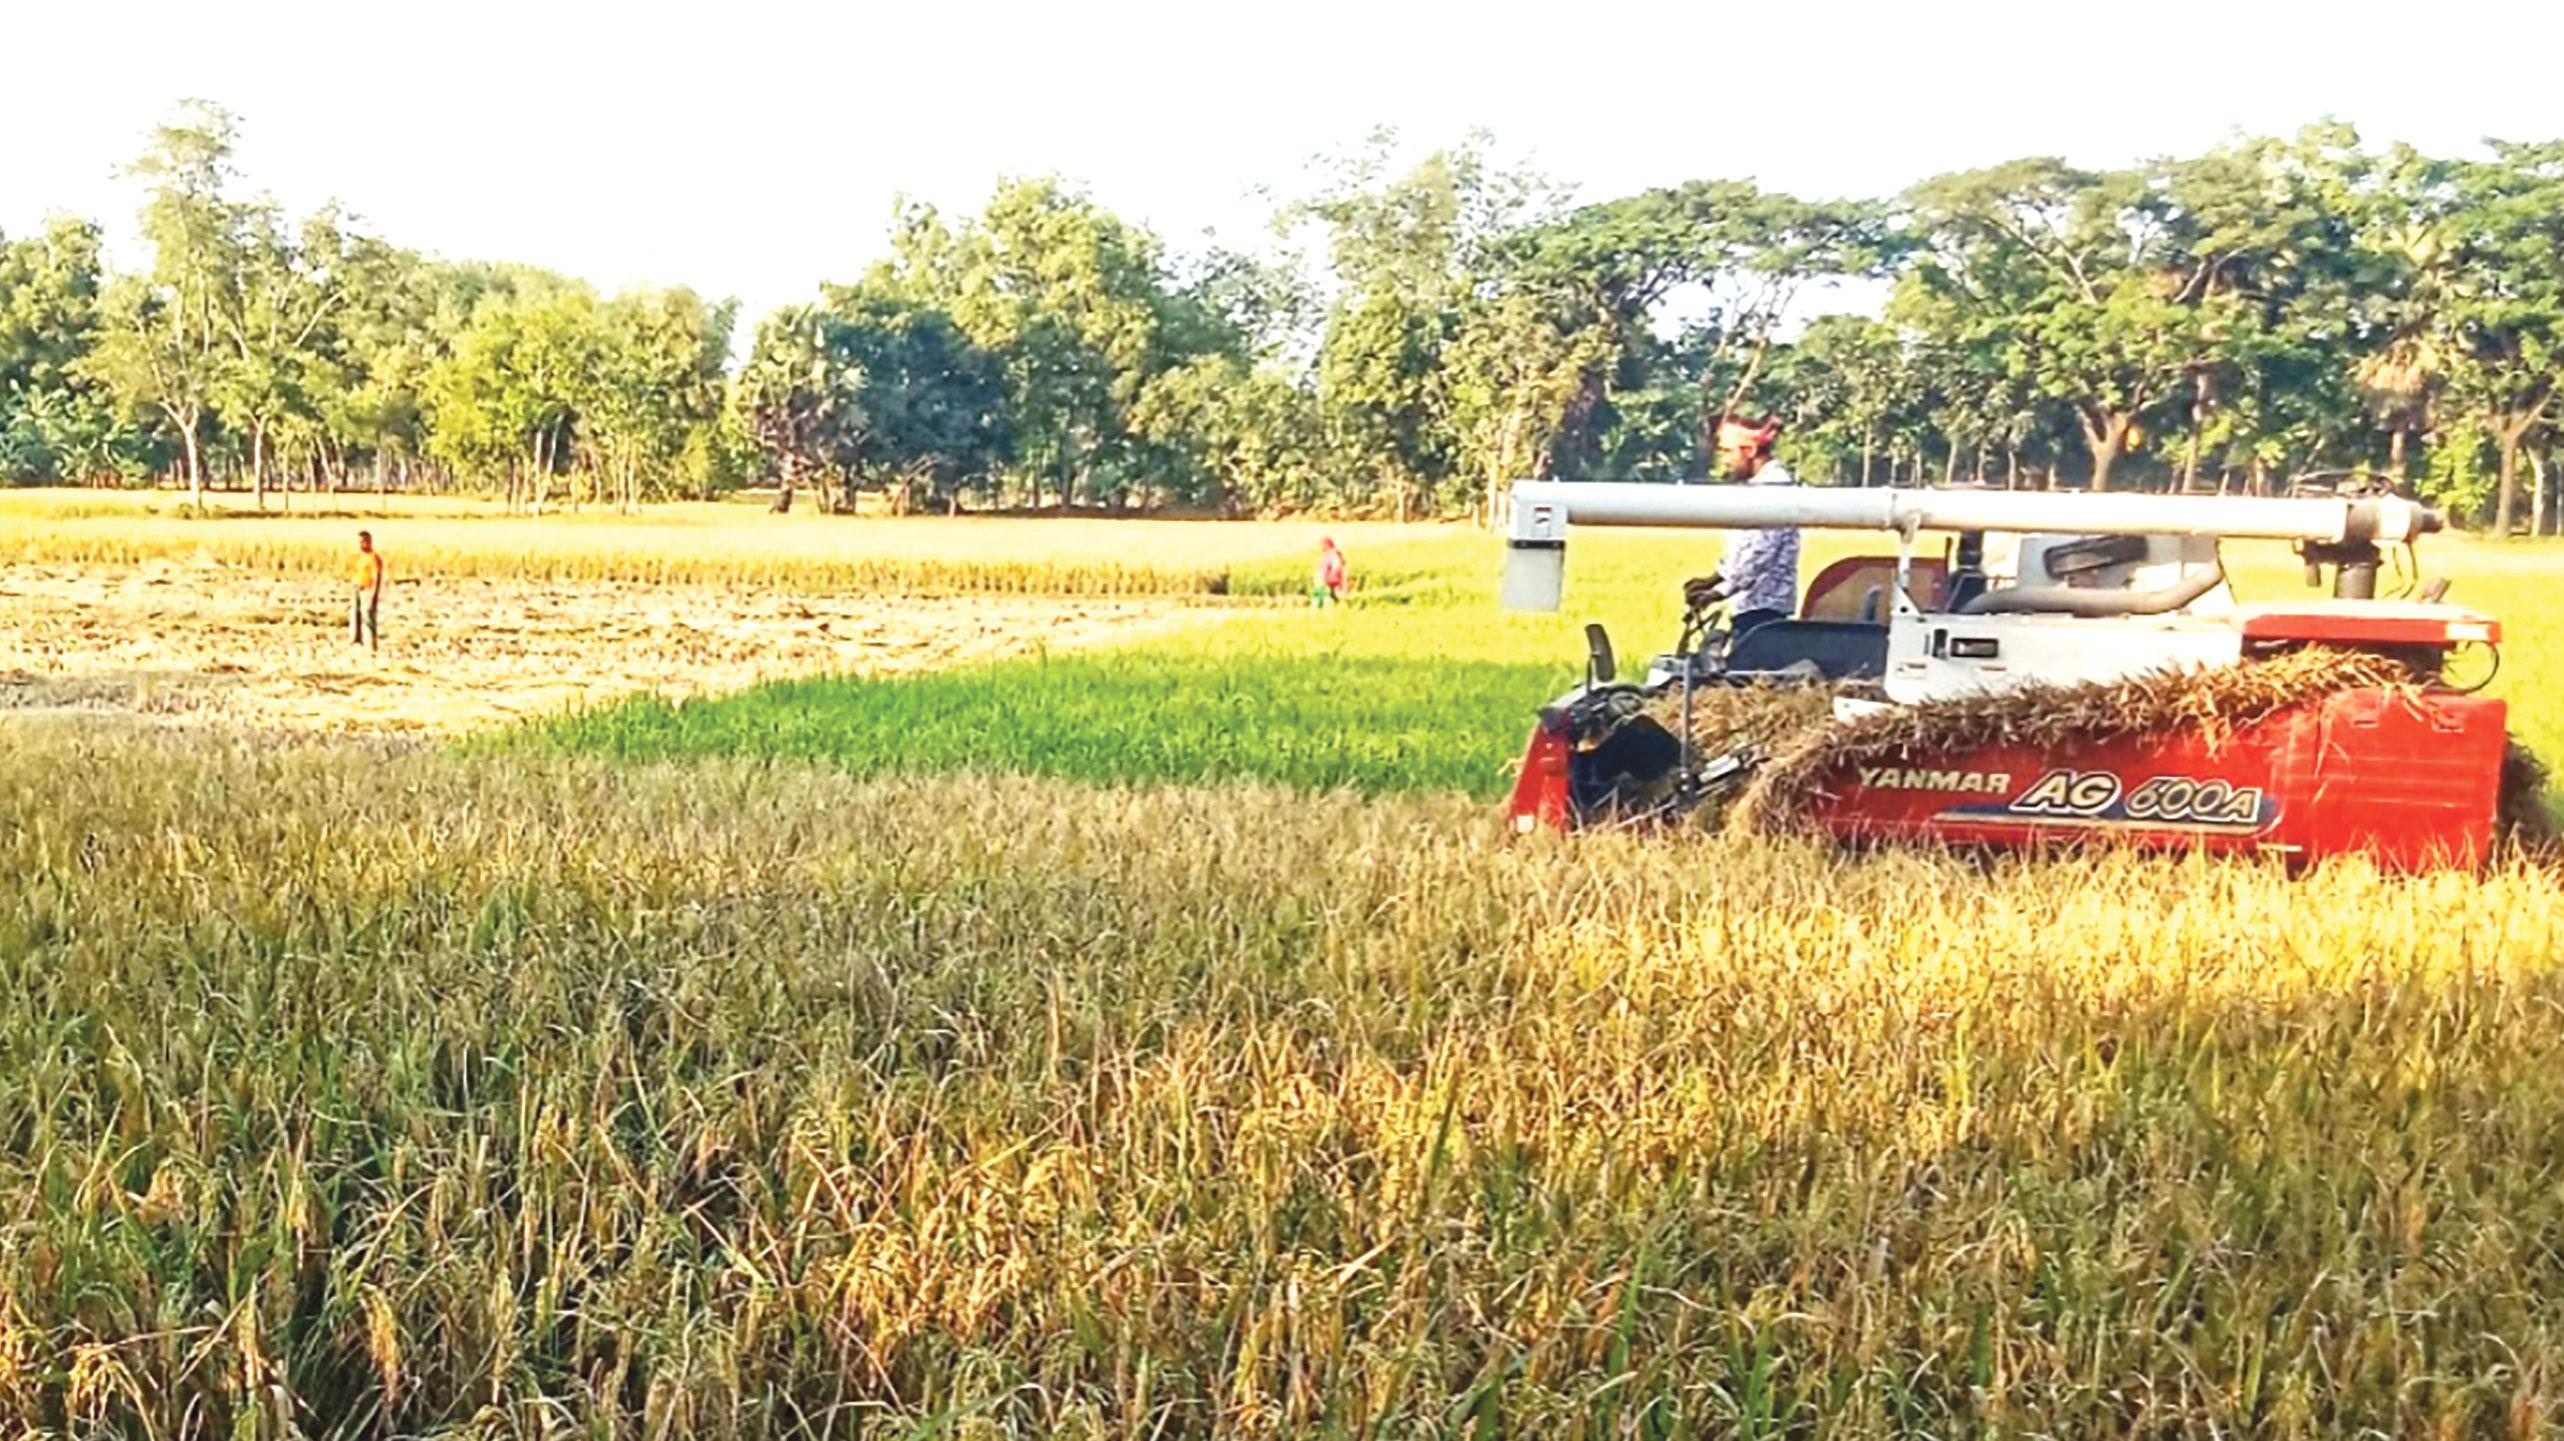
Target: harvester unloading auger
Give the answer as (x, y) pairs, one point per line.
(2064, 666)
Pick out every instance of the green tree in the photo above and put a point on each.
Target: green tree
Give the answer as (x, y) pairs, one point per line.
(651, 382)
(1608, 279)
(871, 387)
(167, 335)
(1063, 292)
(504, 398)
(931, 404)
(55, 424)
(2405, 258)
(1423, 232)
(401, 315)
(2506, 311)
(1407, 249)
(1381, 393)
(276, 367)
(1515, 373)
(1082, 314)
(2070, 281)
(797, 399)
(1843, 379)
(2268, 231)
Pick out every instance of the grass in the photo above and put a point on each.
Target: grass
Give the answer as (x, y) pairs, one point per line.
(1423, 684)
(1151, 714)
(516, 1094)
(715, 543)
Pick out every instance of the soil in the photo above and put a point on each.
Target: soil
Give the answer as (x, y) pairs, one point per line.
(205, 644)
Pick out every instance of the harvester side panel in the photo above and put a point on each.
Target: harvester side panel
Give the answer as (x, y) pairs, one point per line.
(1541, 795)
(2415, 782)
(2411, 780)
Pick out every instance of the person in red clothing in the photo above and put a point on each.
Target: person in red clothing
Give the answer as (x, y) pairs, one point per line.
(1328, 585)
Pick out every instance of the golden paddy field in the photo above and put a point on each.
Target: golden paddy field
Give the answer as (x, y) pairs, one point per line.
(955, 1051)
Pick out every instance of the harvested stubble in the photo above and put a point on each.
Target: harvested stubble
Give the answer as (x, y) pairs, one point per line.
(2213, 702)
(608, 563)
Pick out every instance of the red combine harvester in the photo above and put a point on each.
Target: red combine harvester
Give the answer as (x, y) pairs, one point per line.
(2050, 599)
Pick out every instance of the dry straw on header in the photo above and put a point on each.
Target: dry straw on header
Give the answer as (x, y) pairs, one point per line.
(1807, 749)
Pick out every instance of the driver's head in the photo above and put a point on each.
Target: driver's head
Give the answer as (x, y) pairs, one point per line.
(1745, 446)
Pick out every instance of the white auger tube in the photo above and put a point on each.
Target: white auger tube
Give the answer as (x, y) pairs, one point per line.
(1536, 536)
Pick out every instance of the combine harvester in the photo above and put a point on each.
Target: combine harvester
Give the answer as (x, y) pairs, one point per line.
(2061, 667)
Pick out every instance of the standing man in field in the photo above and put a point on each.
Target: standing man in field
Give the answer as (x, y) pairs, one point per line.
(365, 623)
(1761, 566)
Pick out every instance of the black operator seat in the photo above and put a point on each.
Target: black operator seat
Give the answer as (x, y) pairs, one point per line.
(1839, 649)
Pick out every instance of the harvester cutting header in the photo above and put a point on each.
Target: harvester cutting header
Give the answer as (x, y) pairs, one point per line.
(2046, 666)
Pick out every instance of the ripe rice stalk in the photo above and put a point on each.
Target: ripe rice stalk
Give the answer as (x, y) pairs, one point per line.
(716, 1097)
(2214, 703)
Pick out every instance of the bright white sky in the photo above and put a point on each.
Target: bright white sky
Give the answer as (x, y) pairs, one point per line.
(751, 148)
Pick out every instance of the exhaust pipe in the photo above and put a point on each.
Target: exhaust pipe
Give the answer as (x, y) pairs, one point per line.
(2065, 600)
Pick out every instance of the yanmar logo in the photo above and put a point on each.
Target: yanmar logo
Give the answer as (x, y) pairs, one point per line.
(2101, 799)
(1957, 782)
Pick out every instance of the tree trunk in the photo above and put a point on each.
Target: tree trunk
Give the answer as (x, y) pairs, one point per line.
(2537, 513)
(2199, 399)
(2105, 434)
(1950, 466)
(2506, 500)
(195, 464)
(1869, 453)
(2011, 468)
(258, 463)
(2395, 453)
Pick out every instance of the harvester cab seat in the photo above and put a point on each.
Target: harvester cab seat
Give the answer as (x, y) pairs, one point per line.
(1838, 649)
(1841, 630)
(1842, 589)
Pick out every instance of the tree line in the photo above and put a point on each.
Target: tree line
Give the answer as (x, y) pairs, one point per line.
(1417, 337)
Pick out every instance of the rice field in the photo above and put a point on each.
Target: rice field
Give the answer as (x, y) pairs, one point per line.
(719, 543)
(1423, 683)
(1167, 1042)
(539, 1095)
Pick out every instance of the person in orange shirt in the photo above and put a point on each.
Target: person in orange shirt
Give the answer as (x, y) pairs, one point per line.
(365, 624)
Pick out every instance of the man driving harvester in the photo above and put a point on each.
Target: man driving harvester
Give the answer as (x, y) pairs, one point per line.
(1759, 573)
